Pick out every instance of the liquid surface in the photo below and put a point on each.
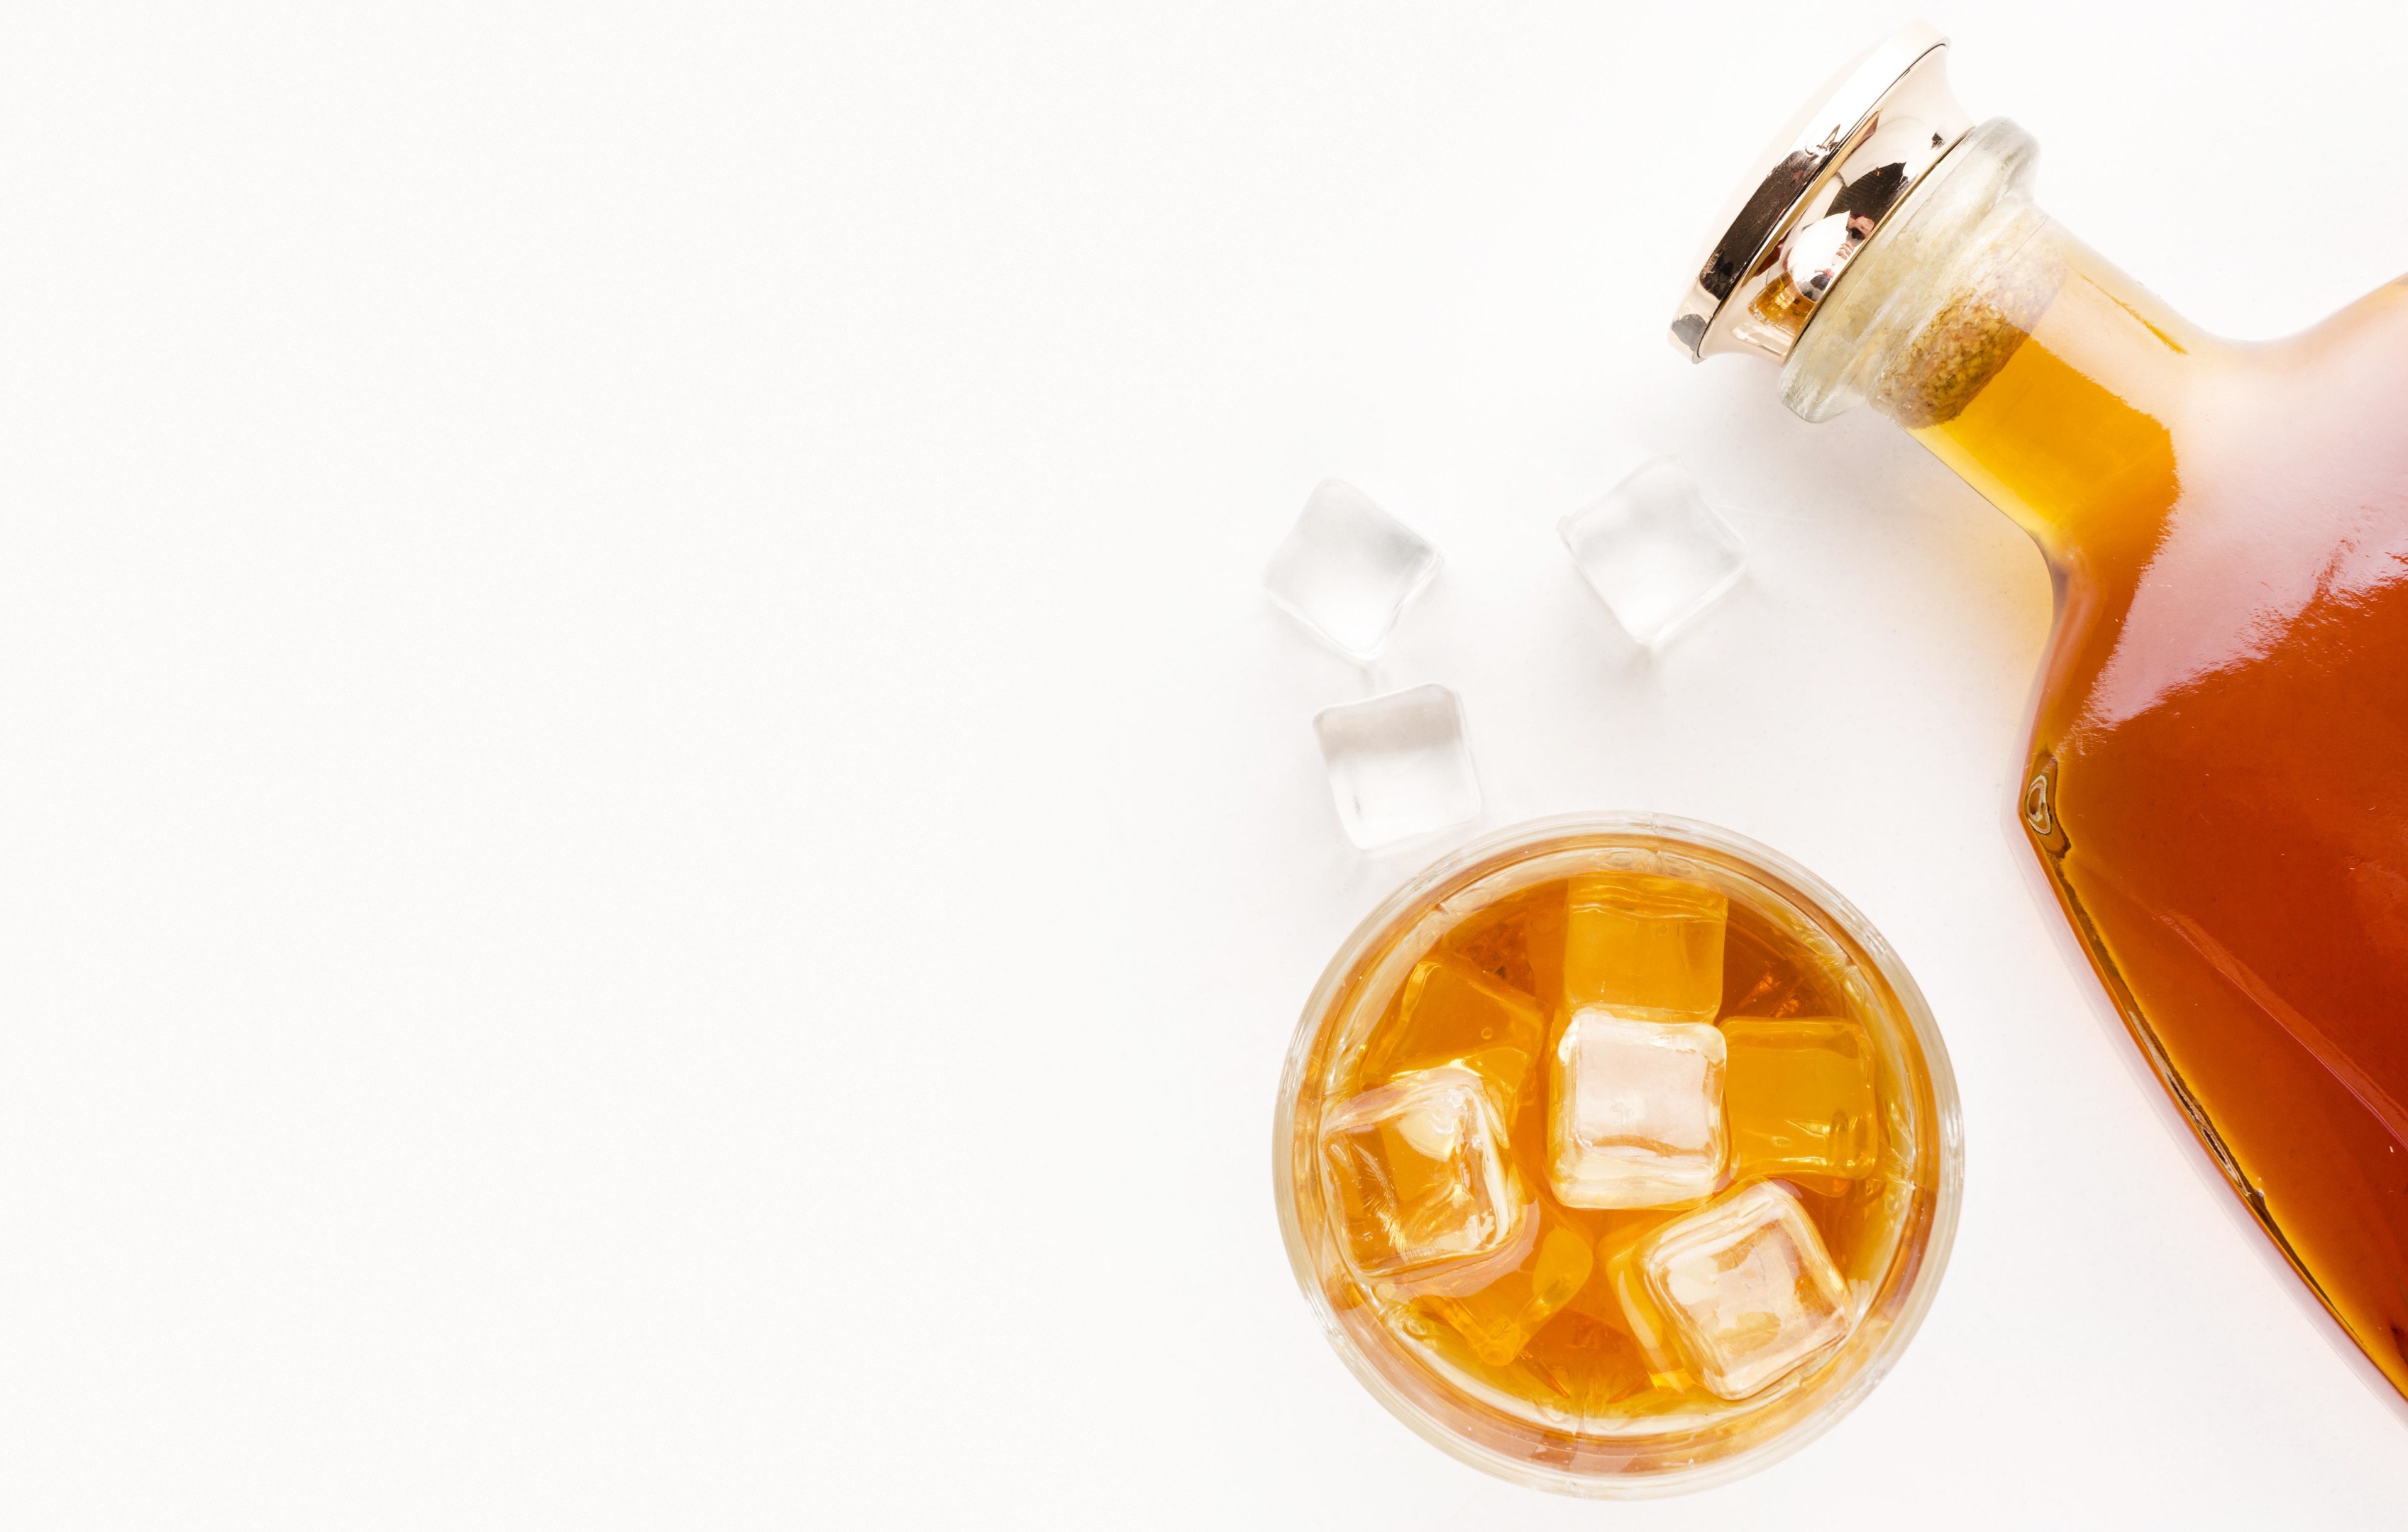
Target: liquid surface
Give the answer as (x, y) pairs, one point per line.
(1549, 1336)
(2218, 777)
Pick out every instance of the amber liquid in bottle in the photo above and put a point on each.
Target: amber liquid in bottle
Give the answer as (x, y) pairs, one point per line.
(1553, 1335)
(2217, 784)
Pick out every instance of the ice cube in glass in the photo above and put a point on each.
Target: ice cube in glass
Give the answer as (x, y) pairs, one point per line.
(1450, 1013)
(1619, 1229)
(1639, 943)
(1653, 551)
(1518, 940)
(1398, 765)
(1739, 1291)
(1347, 569)
(1431, 1199)
(1798, 1094)
(1594, 1364)
(1499, 1319)
(1634, 1111)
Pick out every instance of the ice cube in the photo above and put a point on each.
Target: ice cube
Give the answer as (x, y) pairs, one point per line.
(1427, 1197)
(1347, 569)
(1644, 944)
(1761, 978)
(1653, 551)
(1499, 1319)
(1634, 1111)
(1644, 1320)
(1398, 765)
(1593, 1367)
(1739, 1291)
(1800, 1098)
(1453, 1014)
(1518, 940)
(1621, 1228)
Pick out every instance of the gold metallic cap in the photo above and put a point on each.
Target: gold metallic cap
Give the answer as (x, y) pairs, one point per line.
(1818, 192)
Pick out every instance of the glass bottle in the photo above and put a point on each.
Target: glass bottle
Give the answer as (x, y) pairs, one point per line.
(2216, 782)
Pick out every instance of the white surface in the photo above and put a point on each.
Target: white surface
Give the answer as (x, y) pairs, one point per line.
(656, 849)
(1653, 551)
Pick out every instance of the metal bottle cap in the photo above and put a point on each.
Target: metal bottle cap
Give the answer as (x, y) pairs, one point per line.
(1819, 192)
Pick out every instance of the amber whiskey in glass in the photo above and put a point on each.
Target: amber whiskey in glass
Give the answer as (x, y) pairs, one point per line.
(1617, 1154)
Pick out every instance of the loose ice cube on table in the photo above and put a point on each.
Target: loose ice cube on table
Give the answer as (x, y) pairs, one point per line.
(1640, 943)
(1453, 1014)
(1398, 765)
(1653, 551)
(1799, 1097)
(1419, 1171)
(1347, 569)
(1739, 1292)
(1634, 1111)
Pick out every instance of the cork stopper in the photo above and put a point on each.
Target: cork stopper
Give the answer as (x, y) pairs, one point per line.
(1934, 309)
(1975, 333)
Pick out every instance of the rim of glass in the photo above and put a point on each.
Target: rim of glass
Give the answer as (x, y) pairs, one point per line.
(1936, 1204)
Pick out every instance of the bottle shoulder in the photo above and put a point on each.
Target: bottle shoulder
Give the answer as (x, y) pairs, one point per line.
(2270, 562)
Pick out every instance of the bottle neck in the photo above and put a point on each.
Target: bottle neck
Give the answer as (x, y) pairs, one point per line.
(2069, 435)
(2035, 370)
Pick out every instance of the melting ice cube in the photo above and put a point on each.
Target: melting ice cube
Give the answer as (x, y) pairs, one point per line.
(1653, 551)
(1634, 1111)
(1398, 765)
(1518, 942)
(1798, 1093)
(1453, 1014)
(1644, 944)
(1593, 1364)
(1740, 1291)
(1621, 1228)
(1499, 1319)
(1347, 569)
(1419, 1171)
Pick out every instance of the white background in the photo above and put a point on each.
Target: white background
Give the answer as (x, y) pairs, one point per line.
(656, 851)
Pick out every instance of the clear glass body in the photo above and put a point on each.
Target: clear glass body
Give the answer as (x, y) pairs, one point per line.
(2216, 784)
(1545, 1410)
